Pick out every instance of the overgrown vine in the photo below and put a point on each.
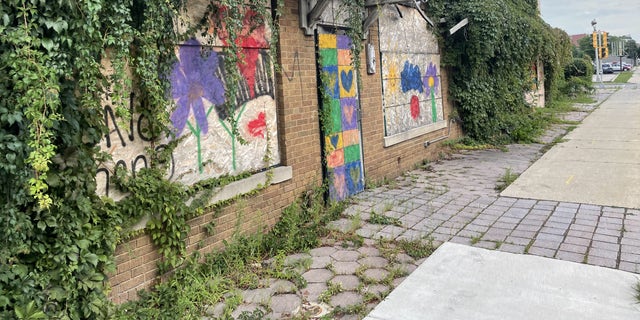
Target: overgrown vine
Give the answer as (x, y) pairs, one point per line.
(490, 62)
(58, 235)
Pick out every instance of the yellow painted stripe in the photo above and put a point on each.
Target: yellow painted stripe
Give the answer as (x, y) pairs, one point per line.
(569, 180)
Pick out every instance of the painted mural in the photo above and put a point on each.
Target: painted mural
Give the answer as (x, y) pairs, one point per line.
(410, 64)
(202, 121)
(342, 145)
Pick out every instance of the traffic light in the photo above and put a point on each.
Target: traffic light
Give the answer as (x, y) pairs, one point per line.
(595, 39)
(604, 39)
(606, 51)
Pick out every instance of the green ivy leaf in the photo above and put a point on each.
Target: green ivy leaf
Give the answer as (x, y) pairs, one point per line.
(91, 258)
(48, 44)
(83, 243)
(57, 293)
(72, 257)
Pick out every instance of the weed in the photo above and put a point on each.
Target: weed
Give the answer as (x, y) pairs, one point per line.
(395, 271)
(388, 249)
(358, 309)
(391, 183)
(363, 277)
(329, 266)
(384, 220)
(550, 145)
(498, 244)
(257, 314)
(424, 165)
(467, 143)
(210, 228)
(332, 290)
(638, 291)
(349, 238)
(507, 178)
(355, 222)
(528, 246)
(372, 184)
(302, 264)
(280, 270)
(583, 98)
(476, 239)
(417, 248)
(190, 289)
(370, 297)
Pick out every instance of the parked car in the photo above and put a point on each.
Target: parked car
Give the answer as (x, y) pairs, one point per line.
(626, 67)
(606, 68)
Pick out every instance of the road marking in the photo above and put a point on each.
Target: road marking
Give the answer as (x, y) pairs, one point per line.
(569, 180)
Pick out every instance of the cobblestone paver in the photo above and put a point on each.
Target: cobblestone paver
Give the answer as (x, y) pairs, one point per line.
(453, 199)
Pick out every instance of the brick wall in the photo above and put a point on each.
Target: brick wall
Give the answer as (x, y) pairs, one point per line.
(299, 137)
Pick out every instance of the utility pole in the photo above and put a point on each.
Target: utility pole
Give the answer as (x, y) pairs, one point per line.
(596, 47)
(621, 50)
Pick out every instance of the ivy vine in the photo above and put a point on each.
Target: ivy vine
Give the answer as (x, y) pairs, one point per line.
(59, 236)
(490, 62)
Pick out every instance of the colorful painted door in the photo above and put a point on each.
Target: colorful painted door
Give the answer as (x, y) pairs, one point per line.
(340, 117)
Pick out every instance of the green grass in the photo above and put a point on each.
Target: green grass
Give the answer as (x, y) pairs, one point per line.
(559, 105)
(623, 77)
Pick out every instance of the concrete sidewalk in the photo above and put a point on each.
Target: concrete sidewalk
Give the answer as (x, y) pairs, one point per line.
(598, 164)
(459, 282)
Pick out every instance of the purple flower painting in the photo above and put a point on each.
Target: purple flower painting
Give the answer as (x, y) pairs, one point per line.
(193, 83)
(430, 83)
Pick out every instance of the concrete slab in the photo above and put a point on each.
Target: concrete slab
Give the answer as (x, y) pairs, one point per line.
(605, 77)
(461, 282)
(598, 183)
(606, 133)
(602, 145)
(596, 151)
(599, 162)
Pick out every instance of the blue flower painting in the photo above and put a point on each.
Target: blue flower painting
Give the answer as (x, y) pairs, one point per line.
(410, 77)
(193, 81)
(193, 85)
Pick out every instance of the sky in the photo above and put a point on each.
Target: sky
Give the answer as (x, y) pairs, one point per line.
(618, 17)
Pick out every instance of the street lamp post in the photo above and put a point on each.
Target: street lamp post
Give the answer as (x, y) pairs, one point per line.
(598, 67)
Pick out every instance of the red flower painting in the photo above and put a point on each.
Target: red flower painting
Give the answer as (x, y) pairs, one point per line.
(258, 126)
(415, 107)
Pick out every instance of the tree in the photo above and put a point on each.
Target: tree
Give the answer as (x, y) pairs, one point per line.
(585, 45)
(632, 49)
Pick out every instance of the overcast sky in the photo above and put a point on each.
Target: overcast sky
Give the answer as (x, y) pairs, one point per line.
(618, 17)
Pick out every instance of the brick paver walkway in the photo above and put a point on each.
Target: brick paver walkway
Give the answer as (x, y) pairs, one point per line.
(453, 199)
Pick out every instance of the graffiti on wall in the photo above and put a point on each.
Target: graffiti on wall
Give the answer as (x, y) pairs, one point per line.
(209, 146)
(535, 95)
(342, 145)
(412, 96)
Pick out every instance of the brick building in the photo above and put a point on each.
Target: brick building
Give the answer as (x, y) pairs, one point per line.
(379, 126)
